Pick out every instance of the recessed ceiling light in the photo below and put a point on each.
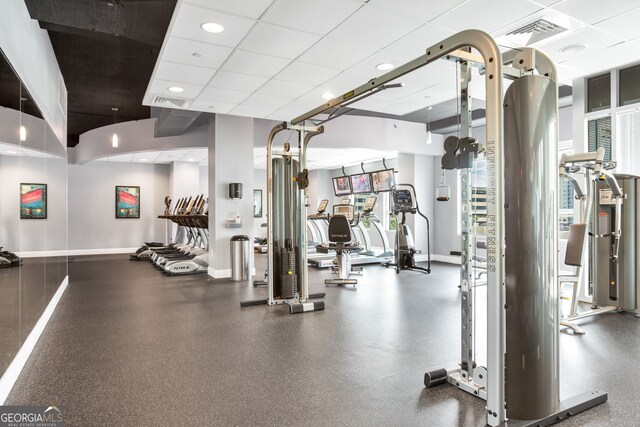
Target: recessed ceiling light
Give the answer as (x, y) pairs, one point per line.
(573, 48)
(429, 107)
(327, 96)
(12, 152)
(212, 27)
(176, 89)
(191, 160)
(143, 160)
(196, 54)
(385, 66)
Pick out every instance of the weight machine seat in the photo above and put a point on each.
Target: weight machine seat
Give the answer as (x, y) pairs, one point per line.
(339, 237)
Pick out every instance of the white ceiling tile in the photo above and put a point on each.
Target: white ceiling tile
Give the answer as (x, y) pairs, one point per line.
(181, 51)
(415, 43)
(162, 87)
(190, 17)
(372, 102)
(593, 11)
(212, 106)
(606, 59)
(422, 10)
(344, 82)
(222, 95)
(237, 81)
(624, 25)
(591, 37)
(300, 72)
(336, 53)
(183, 73)
(567, 74)
(284, 89)
(255, 63)
(485, 15)
(248, 8)
(266, 101)
(283, 114)
(278, 41)
(303, 104)
(312, 16)
(374, 27)
(248, 111)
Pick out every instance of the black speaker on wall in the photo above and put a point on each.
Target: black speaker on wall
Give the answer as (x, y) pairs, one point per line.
(235, 190)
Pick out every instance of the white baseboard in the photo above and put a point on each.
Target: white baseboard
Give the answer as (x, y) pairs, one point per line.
(76, 252)
(451, 259)
(12, 373)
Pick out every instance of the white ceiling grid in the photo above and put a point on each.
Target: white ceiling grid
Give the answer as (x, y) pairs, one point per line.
(276, 58)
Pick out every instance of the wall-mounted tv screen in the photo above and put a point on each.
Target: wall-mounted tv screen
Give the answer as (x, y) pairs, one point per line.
(341, 186)
(361, 183)
(383, 180)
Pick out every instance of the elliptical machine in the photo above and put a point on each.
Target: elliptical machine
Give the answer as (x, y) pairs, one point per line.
(404, 201)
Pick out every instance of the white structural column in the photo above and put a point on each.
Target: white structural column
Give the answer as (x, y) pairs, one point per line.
(230, 160)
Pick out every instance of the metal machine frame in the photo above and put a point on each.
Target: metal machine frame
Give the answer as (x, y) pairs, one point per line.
(489, 384)
(300, 302)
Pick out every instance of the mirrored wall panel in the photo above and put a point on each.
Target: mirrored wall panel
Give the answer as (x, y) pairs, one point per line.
(33, 213)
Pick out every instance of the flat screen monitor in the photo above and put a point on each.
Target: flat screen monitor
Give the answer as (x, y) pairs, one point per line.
(383, 180)
(341, 186)
(361, 183)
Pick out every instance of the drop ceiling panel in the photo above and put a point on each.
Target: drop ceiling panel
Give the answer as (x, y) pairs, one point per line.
(625, 25)
(212, 106)
(593, 11)
(161, 87)
(567, 74)
(335, 53)
(222, 95)
(374, 27)
(312, 16)
(423, 10)
(284, 89)
(416, 43)
(250, 111)
(248, 8)
(592, 38)
(613, 57)
(266, 101)
(181, 51)
(184, 73)
(190, 17)
(485, 15)
(255, 63)
(237, 81)
(300, 72)
(343, 82)
(278, 41)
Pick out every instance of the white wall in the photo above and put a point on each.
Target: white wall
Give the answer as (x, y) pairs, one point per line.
(260, 183)
(204, 180)
(31, 235)
(230, 160)
(28, 49)
(92, 204)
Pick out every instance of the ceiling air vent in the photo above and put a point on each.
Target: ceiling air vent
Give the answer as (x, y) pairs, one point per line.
(163, 101)
(536, 31)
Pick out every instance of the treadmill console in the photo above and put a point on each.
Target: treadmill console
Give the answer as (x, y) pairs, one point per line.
(322, 206)
(402, 201)
(346, 210)
(369, 204)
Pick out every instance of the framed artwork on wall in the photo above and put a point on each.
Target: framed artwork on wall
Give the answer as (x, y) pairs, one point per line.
(33, 201)
(257, 203)
(127, 201)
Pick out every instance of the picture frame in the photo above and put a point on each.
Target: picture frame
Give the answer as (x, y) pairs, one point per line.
(257, 203)
(127, 202)
(33, 201)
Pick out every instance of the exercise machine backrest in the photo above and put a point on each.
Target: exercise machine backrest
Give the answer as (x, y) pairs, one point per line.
(339, 229)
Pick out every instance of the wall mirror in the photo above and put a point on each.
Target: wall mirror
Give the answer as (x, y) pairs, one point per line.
(33, 213)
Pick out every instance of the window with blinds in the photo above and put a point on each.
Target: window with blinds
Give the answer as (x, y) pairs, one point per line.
(599, 135)
(566, 195)
(628, 142)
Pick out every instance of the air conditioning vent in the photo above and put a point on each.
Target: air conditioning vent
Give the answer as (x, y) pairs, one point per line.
(163, 101)
(536, 31)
